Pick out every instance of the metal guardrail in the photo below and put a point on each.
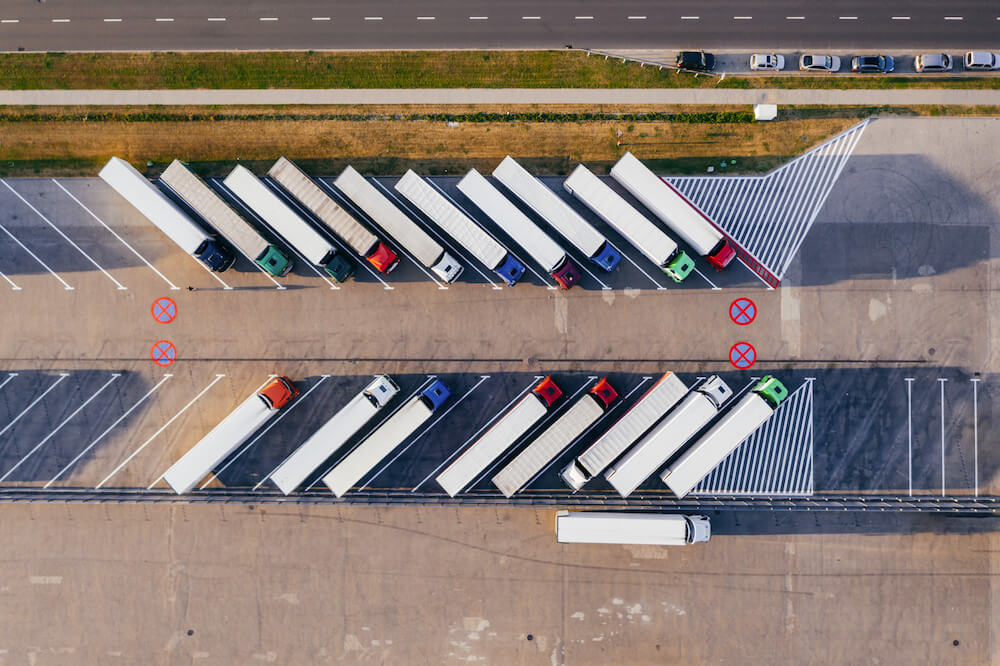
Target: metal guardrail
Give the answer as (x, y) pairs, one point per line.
(649, 63)
(959, 504)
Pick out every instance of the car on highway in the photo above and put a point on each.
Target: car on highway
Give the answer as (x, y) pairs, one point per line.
(982, 60)
(873, 64)
(819, 63)
(696, 61)
(932, 62)
(763, 61)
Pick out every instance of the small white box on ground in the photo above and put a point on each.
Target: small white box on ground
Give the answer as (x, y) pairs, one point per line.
(765, 111)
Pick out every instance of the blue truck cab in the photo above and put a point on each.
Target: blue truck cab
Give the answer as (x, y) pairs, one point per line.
(216, 255)
(435, 395)
(510, 269)
(607, 257)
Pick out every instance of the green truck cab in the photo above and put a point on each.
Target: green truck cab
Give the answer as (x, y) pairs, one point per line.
(679, 267)
(340, 268)
(771, 390)
(274, 261)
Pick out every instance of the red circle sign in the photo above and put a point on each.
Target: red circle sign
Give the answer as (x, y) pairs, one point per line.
(163, 353)
(164, 310)
(742, 355)
(742, 311)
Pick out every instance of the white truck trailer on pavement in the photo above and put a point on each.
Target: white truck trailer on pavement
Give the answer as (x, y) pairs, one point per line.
(518, 226)
(674, 209)
(166, 215)
(385, 439)
(500, 437)
(248, 417)
(340, 223)
(459, 226)
(640, 529)
(645, 236)
(557, 213)
(650, 408)
(394, 222)
(730, 431)
(332, 435)
(668, 436)
(218, 214)
(563, 432)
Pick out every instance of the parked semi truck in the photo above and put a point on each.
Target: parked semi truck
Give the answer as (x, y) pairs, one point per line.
(333, 434)
(668, 436)
(645, 236)
(641, 529)
(394, 222)
(500, 437)
(539, 453)
(674, 209)
(386, 438)
(230, 434)
(459, 226)
(736, 425)
(218, 214)
(650, 408)
(518, 226)
(166, 215)
(288, 224)
(557, 213)
(341, 223)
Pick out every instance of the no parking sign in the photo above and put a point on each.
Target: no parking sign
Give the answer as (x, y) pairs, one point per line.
(742, 355)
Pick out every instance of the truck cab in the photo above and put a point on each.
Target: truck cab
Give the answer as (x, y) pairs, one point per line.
(381, 391)
(436, 394)
(447, 268)
(510, 269)
(278, 392)
(716, 390)
(216, 255)
(699, 529)
(547, 391)
(339, 267)
(383, 259)
(566, 275)
(607, 257)
(679, 266)
(721, 255)
(274, 261)
(604, 392)
(771, 390)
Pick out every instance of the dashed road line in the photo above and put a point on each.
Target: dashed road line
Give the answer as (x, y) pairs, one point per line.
(479, 18)
(583, 18)
(164, 20)
(900, 18)
(690, 18)
(531, 18)
(954, 18)
(62, 376)
(848, 18)
(795, 18)
(636, 18)
(34, 256)
(321, 18)
(373, 18)
(10, 20)
(426, 18)
(60, 20)
(112, 20)
(216, 18)
(268, 18)
(65, 237)
(742, 18)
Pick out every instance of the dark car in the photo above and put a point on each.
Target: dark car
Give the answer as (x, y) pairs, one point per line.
(696, 61)
(872, 64)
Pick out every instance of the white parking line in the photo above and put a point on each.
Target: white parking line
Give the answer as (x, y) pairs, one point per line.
(909, 431)
(482, 378)
(215, 475)
(425, 384)
(155, 434)
(495, 417)
(252, 213)
(60, 426)
(13, 285)
(62, 376)
(343, 246)
(36, 258)
(975, 431)
(659, 287)
(115, 234)
(941, 382)
(754, 273)
(109, 429)
(705, 277)
(10, 376)
(65, 237)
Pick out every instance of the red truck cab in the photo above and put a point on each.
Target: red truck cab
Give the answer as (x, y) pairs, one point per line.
(383, 259)
(604, 393)
(548, 391)
(278, 392)
(721, 255)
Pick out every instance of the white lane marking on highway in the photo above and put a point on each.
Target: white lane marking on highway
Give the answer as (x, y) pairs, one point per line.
(770, 288)
(284, 411)
(461, 208)
(848, 18)
(10, 376)
(252, 213)
(900, 18)
(404, 204)
(268, 18)
(62, 376)
(36, 258)
(114, 233)
(941, 382)
(164, 20)
(60, 20)
(425, 18)
(424, 385)
(321, 18)
(975, 432)
(690, 18)
(60, 426)
(584, 18)
(109, 429)
(65, 237)
(329, 233)
(10, 20)
(909, 431)
(495, 417)
(216, 18)
(482, 378)
(636, 18)
(373, 18)
(742, 18)
(113, 20)
(954, 18)
(155, 434)
(13, 286)
(531, 18)
(479, 18)
(795, 18)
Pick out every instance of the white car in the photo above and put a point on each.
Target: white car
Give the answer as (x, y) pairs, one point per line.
(932, 62)
(760, 61)
(819, 63)
(982, 60)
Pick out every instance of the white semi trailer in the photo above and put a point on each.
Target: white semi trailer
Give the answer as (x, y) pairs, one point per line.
(518, 226)
(563, 431)
(736, 425)
(641, 529)
(249, 417)
(557, 213)
(394, 222)
(645, 236)
(674, 210)
(668, 436)
(500, 437)
(341, 223)
(332, 435)
(649, 409)
(385, 439)
(217, 213)
(459, 226)
(166, 215)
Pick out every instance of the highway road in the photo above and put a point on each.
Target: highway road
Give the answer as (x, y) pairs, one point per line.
(67, 25)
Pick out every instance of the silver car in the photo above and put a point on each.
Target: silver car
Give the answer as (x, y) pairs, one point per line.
(761, 61)
(982, 60)
(819, 63)
(932, 62)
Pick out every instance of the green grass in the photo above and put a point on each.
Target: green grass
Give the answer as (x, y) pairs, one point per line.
(394, 69)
